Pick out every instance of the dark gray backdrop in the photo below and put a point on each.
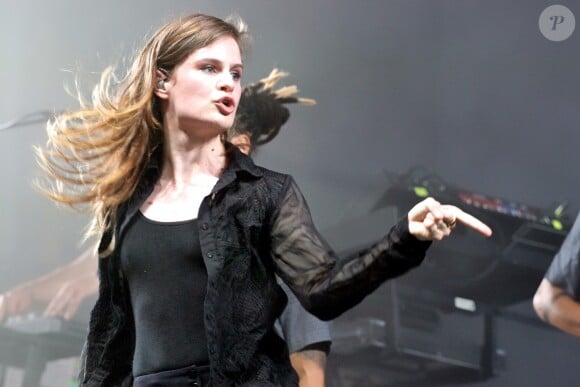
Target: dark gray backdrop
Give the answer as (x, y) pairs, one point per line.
(470, 89)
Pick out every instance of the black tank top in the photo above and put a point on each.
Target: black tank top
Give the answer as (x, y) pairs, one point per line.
(167, 280)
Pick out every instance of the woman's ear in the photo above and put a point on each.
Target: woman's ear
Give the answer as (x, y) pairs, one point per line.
(160, 84)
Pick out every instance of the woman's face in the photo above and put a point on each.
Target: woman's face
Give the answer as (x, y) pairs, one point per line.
(204, 90)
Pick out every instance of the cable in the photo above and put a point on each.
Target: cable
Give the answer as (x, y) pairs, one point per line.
(27, 119)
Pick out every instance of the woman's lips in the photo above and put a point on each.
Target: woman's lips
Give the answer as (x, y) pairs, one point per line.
(226, 105)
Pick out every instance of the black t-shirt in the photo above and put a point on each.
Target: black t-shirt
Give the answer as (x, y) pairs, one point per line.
(564, 272)
(167, 280)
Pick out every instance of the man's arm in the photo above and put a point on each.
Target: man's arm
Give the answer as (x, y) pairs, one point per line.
(310, 365)
(308, 340)
(556, 307)
(556, 298)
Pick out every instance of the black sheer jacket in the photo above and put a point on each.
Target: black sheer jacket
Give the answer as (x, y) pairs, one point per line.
(254, 224)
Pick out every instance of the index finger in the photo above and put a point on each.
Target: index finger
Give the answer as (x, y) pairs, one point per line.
(57, 305)
(473, 223)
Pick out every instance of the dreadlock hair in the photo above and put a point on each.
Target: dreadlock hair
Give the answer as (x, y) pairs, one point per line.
(262, 111)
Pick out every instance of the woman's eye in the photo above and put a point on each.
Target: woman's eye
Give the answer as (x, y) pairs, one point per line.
(209, 68)
(236, 75)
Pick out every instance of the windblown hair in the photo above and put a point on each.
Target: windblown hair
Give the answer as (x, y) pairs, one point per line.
(262, 111)
(96, 155)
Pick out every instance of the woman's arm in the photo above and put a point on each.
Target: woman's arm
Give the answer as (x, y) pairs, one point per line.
(328, 286)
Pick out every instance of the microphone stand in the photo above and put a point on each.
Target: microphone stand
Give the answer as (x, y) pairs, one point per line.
(34, 117)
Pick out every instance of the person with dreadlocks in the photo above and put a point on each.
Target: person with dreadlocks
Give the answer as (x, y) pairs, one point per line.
(261, 113)
(260, 116)
(191, 228)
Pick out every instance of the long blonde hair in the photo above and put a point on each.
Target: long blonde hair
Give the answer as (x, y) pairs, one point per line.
(96, 155)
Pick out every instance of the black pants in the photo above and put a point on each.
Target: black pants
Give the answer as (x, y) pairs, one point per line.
(192, 376)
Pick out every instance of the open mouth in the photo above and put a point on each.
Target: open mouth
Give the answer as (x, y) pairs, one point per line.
(226, 105)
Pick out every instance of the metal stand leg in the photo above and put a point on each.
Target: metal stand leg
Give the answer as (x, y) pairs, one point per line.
(489, 346)
(34, 368)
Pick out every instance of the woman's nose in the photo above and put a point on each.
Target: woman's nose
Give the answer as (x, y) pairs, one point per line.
(225, 82)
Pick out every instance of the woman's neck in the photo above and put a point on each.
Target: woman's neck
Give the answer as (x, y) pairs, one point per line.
(188, 162)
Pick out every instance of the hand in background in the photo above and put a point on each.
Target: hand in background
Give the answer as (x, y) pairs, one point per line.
(15, 301)
(63, 289)
(70, 295)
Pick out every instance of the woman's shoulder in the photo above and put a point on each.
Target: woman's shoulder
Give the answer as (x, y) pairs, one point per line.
(270, 174)
(275, 182)
(258, 174)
